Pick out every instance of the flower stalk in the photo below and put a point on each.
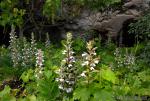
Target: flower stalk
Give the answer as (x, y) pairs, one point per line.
(39, 63)
(67, 72)
(90, 60)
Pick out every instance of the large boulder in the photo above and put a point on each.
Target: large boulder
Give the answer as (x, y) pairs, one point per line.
(114, 25)
(141, 4)
(109, 22)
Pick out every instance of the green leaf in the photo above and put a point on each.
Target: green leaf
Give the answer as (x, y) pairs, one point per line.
(82, 94)
(5, 91)
(103, 95)
(32, 98)
(48, 74)
(47, 88)
(27, 75)
(5, 95)
(108, 75)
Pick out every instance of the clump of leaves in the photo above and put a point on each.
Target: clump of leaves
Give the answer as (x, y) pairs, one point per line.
(45, 87)
(141, 28)
(145, 56)
(10, 14)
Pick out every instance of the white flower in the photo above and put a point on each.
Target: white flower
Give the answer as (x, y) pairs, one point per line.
(69, 65)
(71, 57)
(40, 72)
(60, 87)
(73, 60)
(64, 52)
(86, 62)
(91, 68)
(83, 74)
(64, 60)
(92, 65)
(57, 71)
(57, 79)
(70, 82)
(96, 61)
(72, 52)
(83, 64)
(61, 80)
(84, 54)
(69, 90)
(94, 53)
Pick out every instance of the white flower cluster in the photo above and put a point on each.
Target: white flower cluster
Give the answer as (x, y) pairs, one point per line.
(39, 58)
(28, 52)
(126, 60)
(90, 60)
(14, 48)
(67, 72)
(22, 52)
(25, 54)
(118, 58)
(129, 60)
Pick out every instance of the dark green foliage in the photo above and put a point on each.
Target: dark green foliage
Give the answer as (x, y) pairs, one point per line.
(47, 88)
(145, 55)
(5, 64)
(10, 13)
(51, 9)
(79, 45)
(141, 28)
(5, 95)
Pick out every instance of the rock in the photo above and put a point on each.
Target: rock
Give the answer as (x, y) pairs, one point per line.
(114, 25)
(109, 22)
(137, 4)
(133, 12)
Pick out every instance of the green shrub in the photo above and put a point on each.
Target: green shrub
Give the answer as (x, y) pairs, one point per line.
(141, 28)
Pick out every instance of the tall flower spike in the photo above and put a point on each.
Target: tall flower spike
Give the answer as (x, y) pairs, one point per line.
(15, 54)
(26, 55)
(90, 60)
(33, 48)
(39, 58)
(67, 72)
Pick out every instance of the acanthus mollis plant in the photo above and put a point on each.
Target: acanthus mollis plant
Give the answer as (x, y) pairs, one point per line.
(90, 60)
(39, 63)
(25, 53)
(22, 52)
(28, 52)
(89, 86)
(14, 48)
(67, 72)
(125, 60)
